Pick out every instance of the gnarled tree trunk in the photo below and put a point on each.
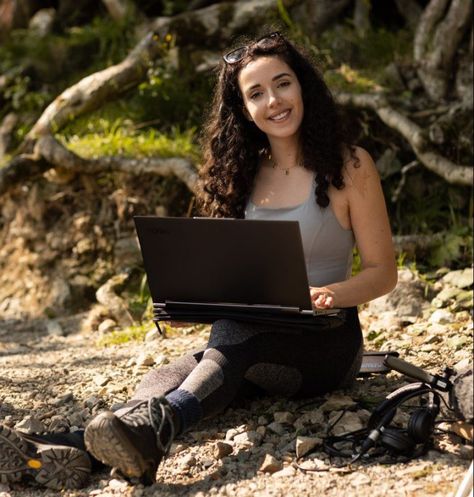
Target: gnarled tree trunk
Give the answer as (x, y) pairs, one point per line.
(441, 29)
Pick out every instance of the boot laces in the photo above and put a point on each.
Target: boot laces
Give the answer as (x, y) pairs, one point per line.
(155, 412)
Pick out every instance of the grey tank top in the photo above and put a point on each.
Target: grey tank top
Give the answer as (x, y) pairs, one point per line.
(327, 245)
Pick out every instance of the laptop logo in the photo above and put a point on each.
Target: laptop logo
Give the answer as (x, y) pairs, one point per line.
(159, 231)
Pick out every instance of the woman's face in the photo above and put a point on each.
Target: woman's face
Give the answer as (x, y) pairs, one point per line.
(272, 96)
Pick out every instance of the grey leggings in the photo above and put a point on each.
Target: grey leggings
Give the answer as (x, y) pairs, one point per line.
(242, 358)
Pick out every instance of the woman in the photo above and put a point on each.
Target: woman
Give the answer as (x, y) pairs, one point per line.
(274, 149)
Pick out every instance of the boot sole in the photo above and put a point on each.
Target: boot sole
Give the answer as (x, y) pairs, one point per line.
(53, 466)
(107, 440)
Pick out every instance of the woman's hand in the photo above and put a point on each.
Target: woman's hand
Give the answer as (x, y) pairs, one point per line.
(321, 297)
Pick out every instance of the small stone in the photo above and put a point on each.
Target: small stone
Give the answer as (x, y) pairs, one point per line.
(160, 360)
(117, 484)
(188, 461)
(461, 278)
(30, 425)
(75, 419)
(283, 417)
(248, 438)
(54, 328)
(261, 430)
(59, 424)
(277, 428)
(285, 472)
(445, 296)
(306, 444)
(222, 449)
(207, 463)
(263, 420)
(336, 402)
(93, 401)
(176, 448)
(101, 380)
(64, 399)
(107, 325)
(441, 316)
(350, 421)
(152, 335)
(145, 359)
(270, 465)
(312, 418)
(314, 464)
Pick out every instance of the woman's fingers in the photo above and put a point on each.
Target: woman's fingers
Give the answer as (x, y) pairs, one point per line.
(322, 298)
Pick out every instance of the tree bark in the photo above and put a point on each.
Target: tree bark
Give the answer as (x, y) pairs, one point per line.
(410, 10)
(119, 9)
(440, 31)
(448, 170)
(362, 16)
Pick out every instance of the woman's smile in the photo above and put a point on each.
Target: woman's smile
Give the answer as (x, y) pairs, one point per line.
(281, 116)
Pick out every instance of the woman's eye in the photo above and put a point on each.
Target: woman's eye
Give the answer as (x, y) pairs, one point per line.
(283, 84)
(255, 95)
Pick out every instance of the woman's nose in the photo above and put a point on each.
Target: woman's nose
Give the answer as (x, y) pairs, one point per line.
(273, 99)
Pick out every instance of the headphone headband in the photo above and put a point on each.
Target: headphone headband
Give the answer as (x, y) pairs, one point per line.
(396, 398)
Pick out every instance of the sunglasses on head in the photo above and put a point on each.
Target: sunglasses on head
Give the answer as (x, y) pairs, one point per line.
(238, 54)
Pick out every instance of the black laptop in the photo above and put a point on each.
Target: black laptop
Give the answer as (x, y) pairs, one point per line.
(203, 269)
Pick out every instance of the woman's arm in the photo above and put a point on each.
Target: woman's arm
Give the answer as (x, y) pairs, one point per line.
(371, 227)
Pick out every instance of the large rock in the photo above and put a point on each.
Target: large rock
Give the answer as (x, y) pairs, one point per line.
(407, 299)
(462, 393)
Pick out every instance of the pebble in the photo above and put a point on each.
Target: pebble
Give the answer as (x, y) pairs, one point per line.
(285, 472)
(337, 402)
(152, 335)
(64, 399)
(54, 328)
(30, 425)
(222, 449)
(270, 464)
(306, 444)
(441, 316)
(107, 325)
(145, 359)
(277, 428)
(283, 417)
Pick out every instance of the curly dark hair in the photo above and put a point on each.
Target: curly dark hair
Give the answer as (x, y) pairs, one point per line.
(233, 145)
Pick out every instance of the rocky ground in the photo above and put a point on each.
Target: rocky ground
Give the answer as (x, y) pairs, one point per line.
(54, 378)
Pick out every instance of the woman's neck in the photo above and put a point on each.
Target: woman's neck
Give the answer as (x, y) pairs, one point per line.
(285, 152)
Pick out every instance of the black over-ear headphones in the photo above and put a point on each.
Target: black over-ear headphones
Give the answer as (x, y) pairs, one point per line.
(411, 441)
(420, 425)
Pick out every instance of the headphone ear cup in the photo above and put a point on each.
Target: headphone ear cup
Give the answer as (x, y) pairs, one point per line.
(397, 440)
(421, 425)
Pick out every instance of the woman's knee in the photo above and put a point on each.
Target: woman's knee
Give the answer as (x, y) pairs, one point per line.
(229, 332)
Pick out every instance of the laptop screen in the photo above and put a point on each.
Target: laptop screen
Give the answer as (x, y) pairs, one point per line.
(237, 261)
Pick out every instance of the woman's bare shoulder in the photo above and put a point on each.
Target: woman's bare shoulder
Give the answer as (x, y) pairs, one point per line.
(359, 167)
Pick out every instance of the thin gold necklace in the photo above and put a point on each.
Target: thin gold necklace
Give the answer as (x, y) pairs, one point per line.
(286, 170)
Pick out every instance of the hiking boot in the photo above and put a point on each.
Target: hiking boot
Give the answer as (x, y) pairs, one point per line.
(28, 458)
(136, 442)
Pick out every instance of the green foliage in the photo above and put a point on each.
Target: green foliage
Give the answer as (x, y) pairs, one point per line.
(375, 49)
(134, 333)
(170, 95)
(101, 136)
(455, 247)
